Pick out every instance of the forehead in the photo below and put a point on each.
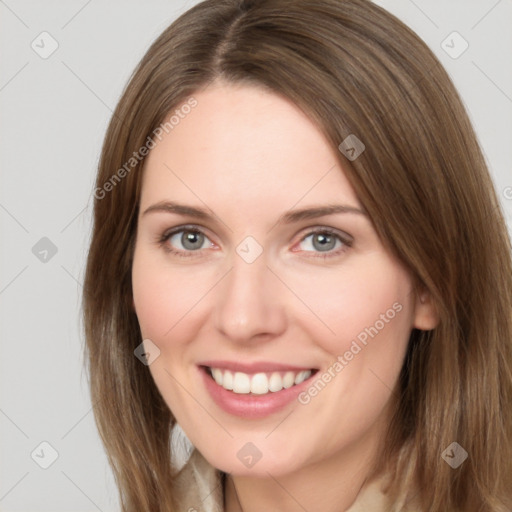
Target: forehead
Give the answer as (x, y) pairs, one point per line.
(248, 146)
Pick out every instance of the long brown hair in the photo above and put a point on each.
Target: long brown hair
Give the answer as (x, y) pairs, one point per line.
(353, 68)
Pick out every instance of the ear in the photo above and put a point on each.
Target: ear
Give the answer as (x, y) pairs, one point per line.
(426, 315)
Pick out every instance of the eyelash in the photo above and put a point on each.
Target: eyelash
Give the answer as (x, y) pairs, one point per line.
(162, 241)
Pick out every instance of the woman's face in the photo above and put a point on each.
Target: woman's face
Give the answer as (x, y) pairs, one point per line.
(237, 267)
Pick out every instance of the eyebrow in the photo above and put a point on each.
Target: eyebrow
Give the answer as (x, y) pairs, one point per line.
(286, 218)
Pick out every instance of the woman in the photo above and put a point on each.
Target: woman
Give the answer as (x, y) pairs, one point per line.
(252, 138)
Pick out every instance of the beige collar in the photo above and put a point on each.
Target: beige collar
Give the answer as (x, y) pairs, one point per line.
(199, 488)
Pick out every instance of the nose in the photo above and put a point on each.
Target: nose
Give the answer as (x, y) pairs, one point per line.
(249, 302)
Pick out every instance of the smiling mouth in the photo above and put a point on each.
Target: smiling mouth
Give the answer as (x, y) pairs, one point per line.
(261, 383)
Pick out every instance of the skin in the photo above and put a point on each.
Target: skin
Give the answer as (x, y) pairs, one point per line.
(249, 156)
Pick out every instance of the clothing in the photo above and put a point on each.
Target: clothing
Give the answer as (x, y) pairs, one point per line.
(200, 489)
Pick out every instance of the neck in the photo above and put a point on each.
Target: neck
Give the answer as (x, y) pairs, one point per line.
(329, 485)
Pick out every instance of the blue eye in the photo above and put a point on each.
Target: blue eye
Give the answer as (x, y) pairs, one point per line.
(325, 243)
(188, 241)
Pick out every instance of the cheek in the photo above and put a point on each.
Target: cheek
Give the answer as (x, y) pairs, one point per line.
(345, 305)
(151, 296)
(163, 297)
(370, 313)
(360, 304)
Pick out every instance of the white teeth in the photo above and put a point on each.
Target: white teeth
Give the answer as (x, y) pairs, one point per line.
(275, 382)
(227, 382)
(258, 383)
(302, 376)
(289, 380)
(217, 375)
(241, 383)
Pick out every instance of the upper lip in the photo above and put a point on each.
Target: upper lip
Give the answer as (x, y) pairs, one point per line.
(256, 367)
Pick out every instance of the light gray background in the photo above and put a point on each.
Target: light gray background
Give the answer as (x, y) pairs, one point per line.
(54, 115)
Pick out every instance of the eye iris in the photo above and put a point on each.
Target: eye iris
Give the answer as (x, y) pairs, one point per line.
(192, 240)
(326, 242)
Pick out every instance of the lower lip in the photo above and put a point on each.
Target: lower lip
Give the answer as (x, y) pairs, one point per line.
(249, 405)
